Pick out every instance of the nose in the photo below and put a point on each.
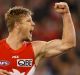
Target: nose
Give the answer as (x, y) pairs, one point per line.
(33, 24)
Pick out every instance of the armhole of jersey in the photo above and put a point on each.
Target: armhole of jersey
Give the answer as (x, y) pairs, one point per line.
(32, 71)
(32, 51)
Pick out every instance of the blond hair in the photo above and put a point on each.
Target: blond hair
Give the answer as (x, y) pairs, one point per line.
(14, 14)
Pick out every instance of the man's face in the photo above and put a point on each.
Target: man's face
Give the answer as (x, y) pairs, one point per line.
(26, 28)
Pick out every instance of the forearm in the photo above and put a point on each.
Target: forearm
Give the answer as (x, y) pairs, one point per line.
(68, 29)
(68, 36)
(68, 40)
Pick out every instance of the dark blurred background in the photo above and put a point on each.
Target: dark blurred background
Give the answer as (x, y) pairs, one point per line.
(49, 26)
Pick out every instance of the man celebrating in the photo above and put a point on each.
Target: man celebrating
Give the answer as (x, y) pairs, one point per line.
(19, 54)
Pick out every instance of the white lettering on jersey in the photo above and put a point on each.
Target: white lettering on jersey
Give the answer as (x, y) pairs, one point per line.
(15, 56)
(16, 72)
(24, 62)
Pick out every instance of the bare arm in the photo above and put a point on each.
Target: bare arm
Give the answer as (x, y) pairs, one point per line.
(68, 40)
(68, 27)
(4, 72)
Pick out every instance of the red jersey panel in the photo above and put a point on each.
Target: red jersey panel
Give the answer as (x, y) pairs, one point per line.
(17, 62)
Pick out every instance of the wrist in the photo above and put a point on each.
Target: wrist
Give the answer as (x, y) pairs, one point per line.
(66, 14)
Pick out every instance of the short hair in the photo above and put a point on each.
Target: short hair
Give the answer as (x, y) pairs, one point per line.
(14, 14)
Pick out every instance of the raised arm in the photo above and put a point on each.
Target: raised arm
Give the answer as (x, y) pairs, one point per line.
(68, 26)
(68, 37)
(68, 40)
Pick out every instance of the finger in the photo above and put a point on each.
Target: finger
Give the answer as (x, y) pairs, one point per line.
(56, 5)
(1, 73)
(60, 6)
(4, 72)
(59, 11)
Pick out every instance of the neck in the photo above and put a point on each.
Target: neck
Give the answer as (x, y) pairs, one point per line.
(14, 41)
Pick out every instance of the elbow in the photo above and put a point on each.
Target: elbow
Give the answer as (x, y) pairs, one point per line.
(71, 44)
(74, 44)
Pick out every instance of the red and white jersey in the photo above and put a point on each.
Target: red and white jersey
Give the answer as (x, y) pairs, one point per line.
(17, 62)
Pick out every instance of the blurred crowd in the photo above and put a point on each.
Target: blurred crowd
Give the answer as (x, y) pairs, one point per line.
(49, 26)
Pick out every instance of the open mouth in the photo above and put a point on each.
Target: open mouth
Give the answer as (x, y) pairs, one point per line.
(30, 31)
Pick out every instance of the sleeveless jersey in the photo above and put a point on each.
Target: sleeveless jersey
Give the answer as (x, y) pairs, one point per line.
(17, 62)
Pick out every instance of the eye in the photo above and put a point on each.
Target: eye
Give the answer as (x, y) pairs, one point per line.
(28, 20)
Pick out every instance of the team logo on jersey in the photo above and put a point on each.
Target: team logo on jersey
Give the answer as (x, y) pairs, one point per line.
(24, 62)
(4, 63)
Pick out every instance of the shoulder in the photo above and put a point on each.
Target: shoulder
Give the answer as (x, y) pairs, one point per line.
(38, 46)
(2, 41)
(41, 43)
(38, 43)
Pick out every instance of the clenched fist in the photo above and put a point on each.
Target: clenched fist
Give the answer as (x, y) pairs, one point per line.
(61, 7)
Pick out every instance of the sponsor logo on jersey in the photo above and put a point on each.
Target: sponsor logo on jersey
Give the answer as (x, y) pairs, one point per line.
(15, 56)
(4, 63)
(24, 62)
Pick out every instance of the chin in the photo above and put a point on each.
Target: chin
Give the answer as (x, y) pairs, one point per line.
(30, 39)
(27, 39)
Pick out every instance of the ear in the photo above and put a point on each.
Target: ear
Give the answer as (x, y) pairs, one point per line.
(16, 25)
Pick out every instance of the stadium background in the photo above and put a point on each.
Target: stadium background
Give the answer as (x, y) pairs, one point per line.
(49, 26)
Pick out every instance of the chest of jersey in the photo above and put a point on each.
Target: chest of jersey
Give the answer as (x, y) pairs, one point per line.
(19, 62)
